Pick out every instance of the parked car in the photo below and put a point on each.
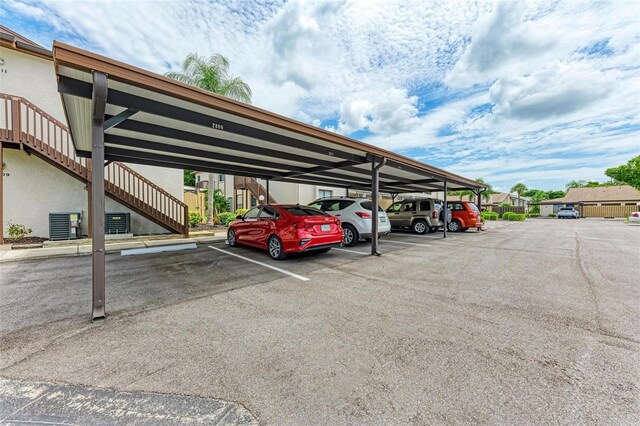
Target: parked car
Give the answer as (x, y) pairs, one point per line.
(464, 215)
(568, 213)
(355, 215)
(281, 229)
(421, 215)
(634, 217)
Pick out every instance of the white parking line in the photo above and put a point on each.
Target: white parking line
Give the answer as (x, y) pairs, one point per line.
(404, 242)
(291, 274)
(351, 251)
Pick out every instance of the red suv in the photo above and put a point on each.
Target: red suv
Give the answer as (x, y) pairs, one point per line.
(282, 229)
(464, 215)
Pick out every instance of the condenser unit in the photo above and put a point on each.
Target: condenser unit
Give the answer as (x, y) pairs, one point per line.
(64, 226)
(117, 223)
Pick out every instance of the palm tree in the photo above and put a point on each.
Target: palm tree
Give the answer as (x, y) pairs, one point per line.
(486, 193)
(519, 188)
(212, 74)
(575, 184)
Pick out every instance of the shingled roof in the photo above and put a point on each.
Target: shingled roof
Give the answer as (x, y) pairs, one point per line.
(597, 194)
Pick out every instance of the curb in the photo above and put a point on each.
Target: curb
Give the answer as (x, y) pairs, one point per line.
(85, 249)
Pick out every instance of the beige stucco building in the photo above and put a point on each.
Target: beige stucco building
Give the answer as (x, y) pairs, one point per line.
(33, 188)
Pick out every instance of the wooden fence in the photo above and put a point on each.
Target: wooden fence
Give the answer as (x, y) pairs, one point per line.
(196, 203)
(500, 210)
(606, 211)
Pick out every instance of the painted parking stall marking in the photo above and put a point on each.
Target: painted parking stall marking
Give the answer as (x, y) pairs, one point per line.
(291, 274)
(351, 251)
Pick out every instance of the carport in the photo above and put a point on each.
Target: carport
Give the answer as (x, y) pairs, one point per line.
(117, 112)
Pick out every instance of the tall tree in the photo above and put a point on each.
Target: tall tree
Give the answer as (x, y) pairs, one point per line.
(575, 184)
(212, 74)
(627, 173)
(519, 188)
(486, 193)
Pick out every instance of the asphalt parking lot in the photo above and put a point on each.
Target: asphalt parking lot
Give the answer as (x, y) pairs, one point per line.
(529, 322)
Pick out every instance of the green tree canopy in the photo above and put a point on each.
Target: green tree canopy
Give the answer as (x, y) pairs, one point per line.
(519, 188)
(627, 173)
(189, 178)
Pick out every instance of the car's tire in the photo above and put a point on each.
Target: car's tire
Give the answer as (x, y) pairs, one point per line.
(275, 248)
(420, 227)
(231, 238)
(454, 226)
(351, 236)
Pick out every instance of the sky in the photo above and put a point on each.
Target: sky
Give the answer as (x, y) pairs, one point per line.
(538, 92)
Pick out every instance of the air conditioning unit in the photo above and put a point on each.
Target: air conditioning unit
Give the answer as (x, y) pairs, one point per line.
(117, 223)
(64, 226)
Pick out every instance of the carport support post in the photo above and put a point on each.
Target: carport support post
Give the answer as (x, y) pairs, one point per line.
(98, 101)
(375, 174)
(446, 211)
(267, 200)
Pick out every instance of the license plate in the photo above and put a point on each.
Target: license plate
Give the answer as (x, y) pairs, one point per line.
(325, 227)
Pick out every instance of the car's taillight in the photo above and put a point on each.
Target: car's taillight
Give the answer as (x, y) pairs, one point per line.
(302, 225)
(635, 214)
(364, 215)
(434, 214)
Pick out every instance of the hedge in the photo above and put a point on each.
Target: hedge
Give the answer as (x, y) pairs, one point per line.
(195, 219)
(514, 216)
(490, 216)
(241, 212)
(226, 218)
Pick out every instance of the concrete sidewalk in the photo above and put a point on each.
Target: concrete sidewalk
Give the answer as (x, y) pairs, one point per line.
(83, 247)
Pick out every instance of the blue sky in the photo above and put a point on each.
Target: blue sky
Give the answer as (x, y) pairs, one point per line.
(540, 92)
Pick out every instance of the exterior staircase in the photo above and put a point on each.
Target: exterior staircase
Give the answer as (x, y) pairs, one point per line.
(253, 186)
(27, 127)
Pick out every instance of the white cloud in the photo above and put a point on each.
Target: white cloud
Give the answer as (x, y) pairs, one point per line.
(390, 112)
(556, 89)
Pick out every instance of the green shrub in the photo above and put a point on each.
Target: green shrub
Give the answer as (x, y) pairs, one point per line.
(533, 214)
(551, 215)
(490, 216)
(195, 219)
(226, 218)
(240, 212)
(17, 231)
(514, 216)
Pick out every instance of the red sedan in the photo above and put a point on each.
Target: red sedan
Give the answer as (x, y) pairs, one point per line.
(281, 229)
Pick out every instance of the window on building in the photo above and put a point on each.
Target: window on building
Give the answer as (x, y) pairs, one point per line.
(239, 202)
(254, 201)
(198, 178)
(325, 193)
(221, 178)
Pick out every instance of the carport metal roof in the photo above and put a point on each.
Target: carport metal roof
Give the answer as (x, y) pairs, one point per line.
(117, 112)
(154, 120)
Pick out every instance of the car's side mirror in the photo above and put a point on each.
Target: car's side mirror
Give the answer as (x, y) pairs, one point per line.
(240, 217)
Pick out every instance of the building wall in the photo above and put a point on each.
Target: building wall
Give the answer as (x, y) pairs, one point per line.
(34, 188)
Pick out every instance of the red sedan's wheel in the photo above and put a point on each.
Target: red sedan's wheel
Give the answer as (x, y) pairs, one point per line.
(231, 238)
(276, 250)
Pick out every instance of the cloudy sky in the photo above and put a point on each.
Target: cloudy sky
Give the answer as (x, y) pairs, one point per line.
(541, 92)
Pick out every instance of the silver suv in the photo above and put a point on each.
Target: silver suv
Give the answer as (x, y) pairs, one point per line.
(421, 215)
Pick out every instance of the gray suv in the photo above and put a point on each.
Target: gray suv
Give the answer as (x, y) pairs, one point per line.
(421, 215)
